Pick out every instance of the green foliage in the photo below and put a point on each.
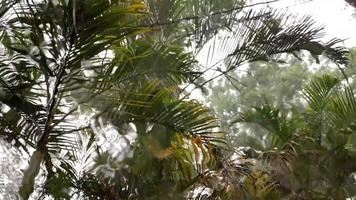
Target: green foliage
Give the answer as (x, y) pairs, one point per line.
(319, 92)
(73, 71)
(315, 161)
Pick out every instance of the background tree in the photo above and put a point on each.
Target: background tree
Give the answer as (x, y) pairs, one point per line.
(278, 84)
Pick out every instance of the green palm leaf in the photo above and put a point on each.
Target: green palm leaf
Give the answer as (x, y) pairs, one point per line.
(319, 92)
(278, 125)
(154, 105)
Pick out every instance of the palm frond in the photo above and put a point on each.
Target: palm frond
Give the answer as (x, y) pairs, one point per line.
(319, 92)
(152, 104)
(344, 107)
(146, 60)
(236, 180)
(272, 120)
(196, 20)
(275, 33)
(262, 35)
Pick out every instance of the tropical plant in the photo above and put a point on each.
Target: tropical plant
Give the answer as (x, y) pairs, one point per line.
(74, 72)
(311, 154)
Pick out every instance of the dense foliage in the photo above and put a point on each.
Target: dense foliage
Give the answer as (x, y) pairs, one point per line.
(92, 96)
